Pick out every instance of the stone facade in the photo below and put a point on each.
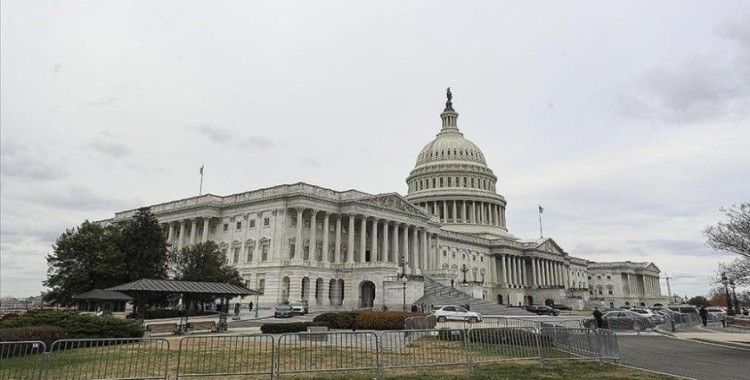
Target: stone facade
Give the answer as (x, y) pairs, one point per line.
(345, 249)
(617, 284)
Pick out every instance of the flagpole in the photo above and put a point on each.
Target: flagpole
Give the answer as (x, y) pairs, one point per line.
(541, 234)
(200, 189)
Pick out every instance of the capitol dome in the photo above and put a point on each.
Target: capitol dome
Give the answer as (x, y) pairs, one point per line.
(451, 180)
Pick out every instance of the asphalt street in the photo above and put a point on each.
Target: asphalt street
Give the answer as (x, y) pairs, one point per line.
(685, 358)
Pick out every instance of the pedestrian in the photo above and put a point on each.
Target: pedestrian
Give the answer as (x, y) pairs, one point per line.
(704, 315)
(598, 317)
(250, 306)
(237, 308)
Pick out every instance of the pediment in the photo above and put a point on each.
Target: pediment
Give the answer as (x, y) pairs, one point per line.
(393, 201)
(549, 245)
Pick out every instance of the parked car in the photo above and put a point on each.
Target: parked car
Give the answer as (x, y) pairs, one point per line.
(657, 319)
(717, 313)
(456, 313)
(542, 310)
(623, 320)
(283, 311)
(561, 307)
(299, 308)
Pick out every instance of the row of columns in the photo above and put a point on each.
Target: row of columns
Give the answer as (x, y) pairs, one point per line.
(461, 211)
(648, 285)
(514, 272)
(389, 241)
(182, 226)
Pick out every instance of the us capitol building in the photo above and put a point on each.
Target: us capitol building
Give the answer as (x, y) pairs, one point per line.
(354, 249)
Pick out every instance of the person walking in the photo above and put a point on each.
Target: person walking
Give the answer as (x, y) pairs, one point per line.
(598, 317)
(250, 306)
(704, 315)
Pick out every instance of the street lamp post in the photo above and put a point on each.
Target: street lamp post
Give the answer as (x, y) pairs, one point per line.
(725, 282)
(403, 278)
(403, 281)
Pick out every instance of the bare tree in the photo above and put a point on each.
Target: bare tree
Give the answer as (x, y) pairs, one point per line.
(733, 234)
(737, 270)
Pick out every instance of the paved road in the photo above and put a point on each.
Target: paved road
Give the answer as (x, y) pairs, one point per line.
(685, 358)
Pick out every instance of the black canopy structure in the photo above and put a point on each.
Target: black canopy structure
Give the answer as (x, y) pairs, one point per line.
(102, 300)
(150, 287)
(183, 287)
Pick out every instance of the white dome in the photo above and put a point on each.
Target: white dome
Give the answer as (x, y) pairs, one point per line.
(451, 146)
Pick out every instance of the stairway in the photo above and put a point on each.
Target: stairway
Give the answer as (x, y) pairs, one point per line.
(436, 293)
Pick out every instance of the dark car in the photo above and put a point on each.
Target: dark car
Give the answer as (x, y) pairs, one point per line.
(542, 310)
(283, 311)
(623, 320)
(561, 307)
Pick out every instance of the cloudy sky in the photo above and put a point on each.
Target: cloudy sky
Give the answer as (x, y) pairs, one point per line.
(629, 121)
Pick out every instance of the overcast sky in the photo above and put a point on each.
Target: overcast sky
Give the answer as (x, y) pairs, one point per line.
(628, 121)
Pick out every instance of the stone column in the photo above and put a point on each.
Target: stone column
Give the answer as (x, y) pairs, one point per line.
(326, 256)
(386, 248)
(534, 280)
(525, 280)
(396, 250)
(503, 269)
(337, 248)
(206, 228)
(414, 251)
(350, 245)
(429, 260)
(193, 230)
(455, 212)
(298, 243)
(405, 249)
(445, 212)
(313, 236)
(170, 233)
(181, 238)
(423, 251)
(362, 239)
(374, 241)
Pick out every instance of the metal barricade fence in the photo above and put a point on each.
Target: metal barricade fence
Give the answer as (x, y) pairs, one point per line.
(114, 358)
(243, 355)
(421, 348)
(497, 344)
(21, 360)
(327, 351)
(585, 344)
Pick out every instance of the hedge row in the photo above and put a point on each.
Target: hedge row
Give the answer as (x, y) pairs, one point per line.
(77, 325)
(365, 319)
(280, 328)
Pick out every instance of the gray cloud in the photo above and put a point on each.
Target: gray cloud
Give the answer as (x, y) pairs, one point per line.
(699, 88)
(18, 162)
(214, 133)
(111, 148)
(74, 198)
(259, 142)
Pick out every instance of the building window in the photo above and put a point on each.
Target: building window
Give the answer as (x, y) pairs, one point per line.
(266, 222)
(609, 290)
(609, 277)
(236, 255)
(264, 251)
(261, 286)
(598, 277)
(250, 251)
(226, 227)
(212, 229)
(238, 226)
(292, 248)
(252, 223)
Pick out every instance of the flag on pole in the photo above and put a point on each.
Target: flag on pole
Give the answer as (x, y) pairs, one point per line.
(200, 170)
(541, 209)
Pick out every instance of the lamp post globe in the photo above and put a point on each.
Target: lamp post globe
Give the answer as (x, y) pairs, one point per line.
(725, 282)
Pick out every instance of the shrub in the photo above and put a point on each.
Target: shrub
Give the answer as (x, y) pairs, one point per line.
(43, 333)
(382, 320)
(280, 328)
(365, 319)
(496, 336)
(78, 325)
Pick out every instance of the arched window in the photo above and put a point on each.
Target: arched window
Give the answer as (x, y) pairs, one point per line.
(449, 181)
(441, 181)
(433, 183)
